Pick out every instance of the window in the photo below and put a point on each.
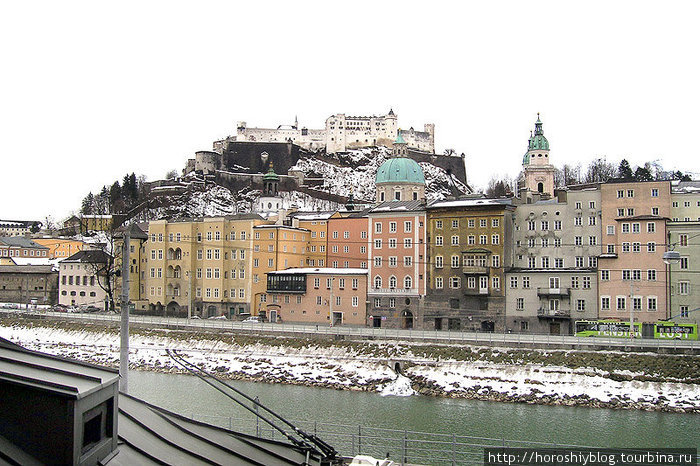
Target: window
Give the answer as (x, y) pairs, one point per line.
(604, 275)
(558, 263)
(483, 239)
(496, 283)
(438, 241)
(591, 220)
(592, 240)
(651, 303)
(586, 283)
(684, 311)
(526, 282)
(520, 304)
(377, 227)
(545, 262)
(577, 222)
(625, 228)
(557, 224)
(625, 247)
(683, 288)
(621, 303)
(319, 300)
(620, 193)
(495, 222)
(620, 212)
(578, 240)
(513, 282)
(455, 240)
(651, 275)
(545, 225)
(454, 282)
(605, 303)
(377, 261)
(482, 222)
(654, 192)
(654, 211)
(392, 243)
(531, 226)
(683, 240)
(495, 239)
(454, 261)
(392, 227)
(438, 224)
(392, 261)
(377, 244)
(636, 247)
(545, 242)
(471, 223)
(611, 229)
(407, 261)
(438, 262)
(495, 261)
(580, 305)
(636, 227)
(651, 246)
(392, 302)
(574, 282)
(683, 264)
(438, 283)
(626, 274)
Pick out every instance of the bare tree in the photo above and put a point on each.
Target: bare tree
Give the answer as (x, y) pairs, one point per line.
(498, 187)
(600, 171)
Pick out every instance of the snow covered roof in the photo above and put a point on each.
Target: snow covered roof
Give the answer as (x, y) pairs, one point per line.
(20, 242)
(312, 215)
(319, 271)
(398, 206)
(686, 187)
(470, 203)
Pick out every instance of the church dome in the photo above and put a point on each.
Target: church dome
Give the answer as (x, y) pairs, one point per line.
(400, 170)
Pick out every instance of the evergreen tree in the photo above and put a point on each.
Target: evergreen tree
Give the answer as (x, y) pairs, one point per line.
(624, 171)
(643, 174)
(88, 205)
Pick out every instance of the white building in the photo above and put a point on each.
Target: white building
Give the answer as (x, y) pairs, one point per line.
(82, 277)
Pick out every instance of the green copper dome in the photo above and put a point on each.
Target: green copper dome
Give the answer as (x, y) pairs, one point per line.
(399, 138)
(400, 170)
(271, 175)
(538, 141)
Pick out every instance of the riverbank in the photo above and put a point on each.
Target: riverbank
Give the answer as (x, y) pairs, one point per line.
(643, 381)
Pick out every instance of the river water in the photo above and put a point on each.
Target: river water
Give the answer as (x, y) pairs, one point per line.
(359, 414)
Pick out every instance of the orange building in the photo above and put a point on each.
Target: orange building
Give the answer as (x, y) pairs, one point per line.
(61, 247)
(631, 271)
(348, 241)
(324, 296)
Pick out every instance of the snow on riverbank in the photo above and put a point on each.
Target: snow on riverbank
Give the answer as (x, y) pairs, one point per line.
(343, 368)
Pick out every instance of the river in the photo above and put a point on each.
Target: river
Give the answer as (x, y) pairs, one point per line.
(359, 415)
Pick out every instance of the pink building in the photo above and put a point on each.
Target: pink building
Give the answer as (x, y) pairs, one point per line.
(631, 271)
(397, 258)
(348, 240)
(323, 296)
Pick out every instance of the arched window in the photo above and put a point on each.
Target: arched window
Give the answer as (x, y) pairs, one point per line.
(392, 282)
(377, 281)
(540, 187)
(407, 282)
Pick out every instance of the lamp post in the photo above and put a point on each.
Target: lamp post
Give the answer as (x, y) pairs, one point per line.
(330, 302)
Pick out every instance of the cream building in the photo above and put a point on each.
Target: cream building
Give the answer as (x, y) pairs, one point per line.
(538, 172)
(203, 264)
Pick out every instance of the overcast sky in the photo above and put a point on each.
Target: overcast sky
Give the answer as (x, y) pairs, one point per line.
(92, 90)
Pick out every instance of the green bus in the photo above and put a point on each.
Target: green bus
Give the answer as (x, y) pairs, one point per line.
(619, 329)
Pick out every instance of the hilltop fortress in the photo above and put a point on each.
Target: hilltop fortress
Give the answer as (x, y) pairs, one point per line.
(340, 134)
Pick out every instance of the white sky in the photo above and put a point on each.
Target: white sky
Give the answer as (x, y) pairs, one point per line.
(92, 90)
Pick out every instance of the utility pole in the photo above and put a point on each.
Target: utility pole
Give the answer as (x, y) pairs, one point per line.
(631, 307)
(189, 296)
(124, 326)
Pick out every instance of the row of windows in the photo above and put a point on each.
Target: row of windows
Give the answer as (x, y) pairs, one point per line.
(584, 282)
(24, 252)
(341, 283)
(407, 282)
(483, 282)
(630, 274)
(622, 303)
(685, 204)
(469, 260)
(471, 240)
(393, 261)
(630, 193)
(471, 223)
(632, 247)
(85, 279)
(393, 242)
(558, 262)
(553, 305)
(82, 293)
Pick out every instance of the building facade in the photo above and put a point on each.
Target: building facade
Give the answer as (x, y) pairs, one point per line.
(200, 267)
(19, 246)
(632, 274)
(61, 248)
(28, 284)
(685, 201)
(348, 240)
(684, 279)
(322, 296)
(469, 250)
(397, 257)
(84, 279)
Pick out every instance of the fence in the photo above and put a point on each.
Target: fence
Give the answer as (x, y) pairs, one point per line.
(438, 336)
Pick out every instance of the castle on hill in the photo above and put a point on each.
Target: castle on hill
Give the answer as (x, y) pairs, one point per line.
(341, 133)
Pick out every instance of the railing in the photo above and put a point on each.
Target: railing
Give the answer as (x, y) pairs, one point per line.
(475, 270)
(402, 446)
(340, 332)
(546, 312)
(476, 291)
(553, 291)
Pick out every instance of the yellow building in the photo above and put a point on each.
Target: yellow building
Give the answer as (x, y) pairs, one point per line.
(61, 247)
(275, 247)
(202, 264)
(317, 224)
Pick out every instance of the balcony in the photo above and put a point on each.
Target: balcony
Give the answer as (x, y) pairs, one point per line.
(394, 291)
(475, 270)
(553, 291)
(544, 312)
(476, 291)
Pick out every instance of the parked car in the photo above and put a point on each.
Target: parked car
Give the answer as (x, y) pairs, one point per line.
(221, 317)
(10, 306)
(60, 308)
(252, 319)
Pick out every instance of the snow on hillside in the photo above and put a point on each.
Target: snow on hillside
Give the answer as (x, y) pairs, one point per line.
(361, 171)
